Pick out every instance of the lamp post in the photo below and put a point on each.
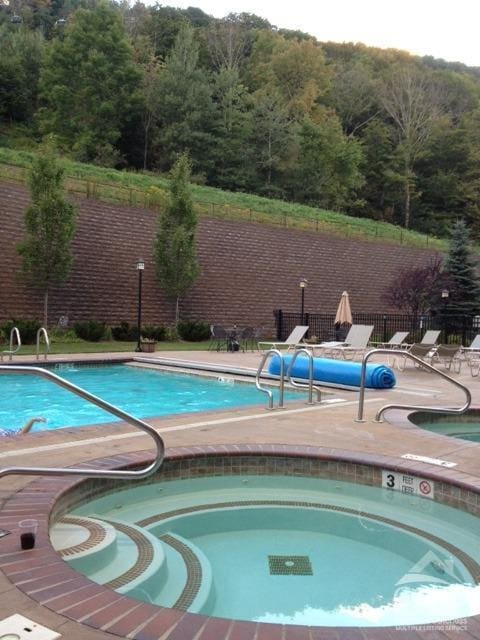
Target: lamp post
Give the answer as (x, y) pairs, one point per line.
(140, 267)
(303, 284)
(445, 296)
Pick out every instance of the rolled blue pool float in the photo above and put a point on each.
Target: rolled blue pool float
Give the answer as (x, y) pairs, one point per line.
(340, 372)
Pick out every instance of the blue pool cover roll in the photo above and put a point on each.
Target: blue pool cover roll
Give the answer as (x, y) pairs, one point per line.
(341, 372)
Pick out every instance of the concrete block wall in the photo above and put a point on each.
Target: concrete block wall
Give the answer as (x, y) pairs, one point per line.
(247, 269)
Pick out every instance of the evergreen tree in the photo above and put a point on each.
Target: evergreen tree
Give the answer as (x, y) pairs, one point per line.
(89, 86)
(187, 117)
(49, 225)
(464, 296)
(175, 252)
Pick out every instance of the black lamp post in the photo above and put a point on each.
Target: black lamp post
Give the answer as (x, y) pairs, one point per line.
(445, 296)
(140, 268)
(303, 284)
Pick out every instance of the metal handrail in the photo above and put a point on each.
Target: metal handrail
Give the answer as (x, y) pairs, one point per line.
(281, 377)
(405, 354)
(90, 473)
(40, 332)
(13, 332)
(302, 385)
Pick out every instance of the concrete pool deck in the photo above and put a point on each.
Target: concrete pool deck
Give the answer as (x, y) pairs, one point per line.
(331, 426)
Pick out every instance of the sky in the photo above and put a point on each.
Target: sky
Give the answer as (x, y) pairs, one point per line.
(448, 29)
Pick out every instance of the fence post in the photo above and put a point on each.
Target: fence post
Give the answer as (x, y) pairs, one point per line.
(278, 313)
(384, 328)
(306, 316)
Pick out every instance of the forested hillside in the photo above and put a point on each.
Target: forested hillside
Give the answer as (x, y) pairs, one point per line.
(374, 133)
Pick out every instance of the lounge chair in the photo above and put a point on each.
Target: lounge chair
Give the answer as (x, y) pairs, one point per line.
(397, 341)
(430, 337)
(471, 355)
(291, 342)
(356, 341)
(422, 351)
(448, 355)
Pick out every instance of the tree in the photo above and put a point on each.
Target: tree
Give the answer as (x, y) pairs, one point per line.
(187, 119)
(90, 85)
(175, 252)
(412, 101)
(328, 165)
(414, 288)
(464, 293)
(49, 226)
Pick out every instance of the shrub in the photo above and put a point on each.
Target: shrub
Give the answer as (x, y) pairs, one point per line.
(90, 330)
(154, 333)
(193, 330)
(124, 332)
(27, 328)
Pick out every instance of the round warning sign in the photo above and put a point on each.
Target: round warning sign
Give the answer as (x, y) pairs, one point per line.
(425, 487)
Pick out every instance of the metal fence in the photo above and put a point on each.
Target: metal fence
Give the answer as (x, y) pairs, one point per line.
(456, 329)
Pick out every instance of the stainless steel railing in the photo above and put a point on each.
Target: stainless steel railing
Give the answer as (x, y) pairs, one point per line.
(310, 386)
(90, 473)
(14, 332)
(405, 354)
(40, 332)
(281, 387)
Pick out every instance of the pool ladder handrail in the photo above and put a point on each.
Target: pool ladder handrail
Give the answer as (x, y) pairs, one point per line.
(281, 387)
(381, 411)
(11, 351)
(309, 384)
(40, 332)
(282, 375)
(110, 408)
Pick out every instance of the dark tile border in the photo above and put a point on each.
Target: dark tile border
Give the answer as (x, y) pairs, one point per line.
(75, 597)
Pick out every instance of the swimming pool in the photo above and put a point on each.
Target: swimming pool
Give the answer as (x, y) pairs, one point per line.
(464, 427)
(248, 545)
(142, 392)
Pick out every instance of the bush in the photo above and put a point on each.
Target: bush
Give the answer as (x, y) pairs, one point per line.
(90, 330)
(124, 332)
(193, 330)
(27, 328)
(154, 333)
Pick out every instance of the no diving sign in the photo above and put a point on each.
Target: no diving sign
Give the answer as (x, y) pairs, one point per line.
(407, 484)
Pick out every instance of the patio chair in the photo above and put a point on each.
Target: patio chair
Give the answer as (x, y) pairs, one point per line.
(356, 341)
(471, 355)
(218, 339)
(246, 337)
(430, 337)
(397, 341)
(418, 349)
(448, 355)
(291, 342)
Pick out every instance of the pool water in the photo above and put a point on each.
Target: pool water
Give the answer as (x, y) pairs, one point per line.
(300, 550)
(142, 392)
(464, 427)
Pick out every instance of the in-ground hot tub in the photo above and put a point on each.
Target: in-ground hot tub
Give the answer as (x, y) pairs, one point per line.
(465, 426)
(269, 534)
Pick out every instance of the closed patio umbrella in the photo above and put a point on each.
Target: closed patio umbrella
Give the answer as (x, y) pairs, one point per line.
(344, 314)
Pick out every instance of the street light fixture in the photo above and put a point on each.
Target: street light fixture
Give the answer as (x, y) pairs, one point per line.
(140, 268)
(445, 296)
(303, 284)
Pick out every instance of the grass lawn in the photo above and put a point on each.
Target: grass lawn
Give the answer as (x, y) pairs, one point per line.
(110, 347)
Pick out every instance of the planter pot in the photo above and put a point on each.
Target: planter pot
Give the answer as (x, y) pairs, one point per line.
(148, 347)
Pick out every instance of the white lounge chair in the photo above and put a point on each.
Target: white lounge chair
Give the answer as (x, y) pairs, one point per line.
(471, 355)
(356, 341)
(291, 342)
(397, 341)
(430, 337)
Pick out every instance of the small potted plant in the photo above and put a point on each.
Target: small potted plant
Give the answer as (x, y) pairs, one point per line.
(147, 344)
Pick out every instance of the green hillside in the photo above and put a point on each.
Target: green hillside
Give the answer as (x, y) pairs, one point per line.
(146, 190)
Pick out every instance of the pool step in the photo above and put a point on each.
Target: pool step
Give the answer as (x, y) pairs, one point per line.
(87, 543)
(168, 570)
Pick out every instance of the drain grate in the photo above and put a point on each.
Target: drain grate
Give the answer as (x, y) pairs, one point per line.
(290, 565)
